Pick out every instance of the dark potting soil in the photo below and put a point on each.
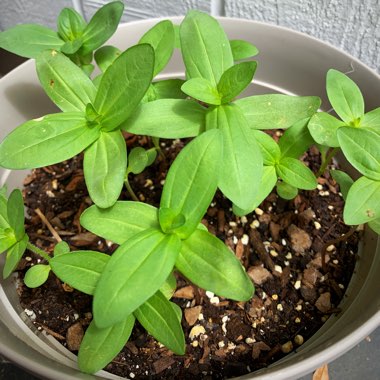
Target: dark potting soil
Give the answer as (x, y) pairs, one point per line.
(298, 253)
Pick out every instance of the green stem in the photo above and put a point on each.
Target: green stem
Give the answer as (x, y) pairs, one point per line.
(130, 191)
(156, 143)
(327, 161)
(38, 251)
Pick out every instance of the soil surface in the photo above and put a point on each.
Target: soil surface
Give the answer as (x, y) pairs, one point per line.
(298, 253)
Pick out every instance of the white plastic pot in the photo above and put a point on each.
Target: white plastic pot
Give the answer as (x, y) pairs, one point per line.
(289, 62)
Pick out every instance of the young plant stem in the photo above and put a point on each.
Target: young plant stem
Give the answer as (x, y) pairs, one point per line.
(327, 161)
(156, 143)
(130, 191)
(38, 251)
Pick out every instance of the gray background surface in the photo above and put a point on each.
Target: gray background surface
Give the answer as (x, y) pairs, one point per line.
(352, 25)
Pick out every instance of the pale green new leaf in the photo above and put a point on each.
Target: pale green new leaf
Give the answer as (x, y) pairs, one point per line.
(363, 202)
(15, 212)
(7, 240)
(36, 275)
(104, 167)
(205, 47)
(169, 286)
(160, 320)
(295, 173)
(375, 225)
(269, 148)
(169, 89)
(371, 119)
(235, 79)
(345, 96)
(29, 40)
(71, 47)
(362, 149)
(137, 160)
(136, 270)
(14, 255)
(64, 82)
(203, 90)
(61, 248)
(70, 24)
(277, 111)
(105, 56)
(99, 346)
(344, 181)
(192, 180)
(286, 191)
(124, 84)
(167, 118)
(121, 221)
(46, 141)
(4, 224)
(203, 253)
(242, 49)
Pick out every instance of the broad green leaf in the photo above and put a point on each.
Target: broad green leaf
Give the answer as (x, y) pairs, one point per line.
(46, 141)
(344, 181)
(136, 270)
(71, 47)
(363, 202)
(324, 127)
(205, 47)
(64, 82)
(14, 256)
(105, 56)
(277, 111)
(61, 248)
(70, 24)
(124, 84)
(242, 49)
(269, 148)
(375, 225)
(345, 96)
(362, 149)
(101, 26)
(161, 37)
(15, 212)
(7, 240)
(4, 224)
(267, 183)
(177, 42)
(371, 119)
(169, 89)
(177, 310)
(99, 346)
(167, 118)
(169, 286)
(29, 40)
(80, 269)
(241, 164)
(296, 140)
(286, 191)
(295, 173)
(192, 180)
(203, 90)
(104, 167)
(159, 318)
(210, 264)
(121, 221)
(36, 275)
(235, 79)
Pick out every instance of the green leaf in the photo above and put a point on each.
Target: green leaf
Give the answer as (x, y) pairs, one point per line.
(344, 181)
(36, 275)
(205, 47)
(70, 24)
(102, 26)
(159, 318)
(242, 49)
(277, 111)
(170, 220)
(192, 180)
(363, 202)
(345, 96)
(71, 47)
(286, 191)
(324, 127)
(14, 256)
(207, 262)
(296, 140)
(375, 225)
(15, 212)
(140, 158)
(362, 149)
(80, 269)
(7, 240)
(167, 118)
(136, 270)
(64, 82)
(203, 90)
(241, 163)
(269, 148)
(296, 174)
(46, 141)
(169, 88)
(169, 286)
(124, 84)
(105, 56)
(235, 79)
(121, 221)
(29, 40)
(61, 248)
(104, 167)
(4, 224)
(371, 120)
(161, 37)
(99, 346)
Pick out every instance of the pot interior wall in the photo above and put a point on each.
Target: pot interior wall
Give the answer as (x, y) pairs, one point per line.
(289, 62)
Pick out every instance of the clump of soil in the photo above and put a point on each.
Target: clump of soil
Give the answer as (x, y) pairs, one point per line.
(299, 254)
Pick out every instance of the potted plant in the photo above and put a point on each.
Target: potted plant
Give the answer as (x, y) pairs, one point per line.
(227, 135)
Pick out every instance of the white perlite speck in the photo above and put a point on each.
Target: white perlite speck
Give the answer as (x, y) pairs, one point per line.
(297, 284)
(259, 211)
(317, 225)
(255, 224)
(196, 331)
(245, 239)
(278, 268)
(214, 300)
(209, 294)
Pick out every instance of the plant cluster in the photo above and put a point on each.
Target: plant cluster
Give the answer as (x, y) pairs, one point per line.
(229, 150)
